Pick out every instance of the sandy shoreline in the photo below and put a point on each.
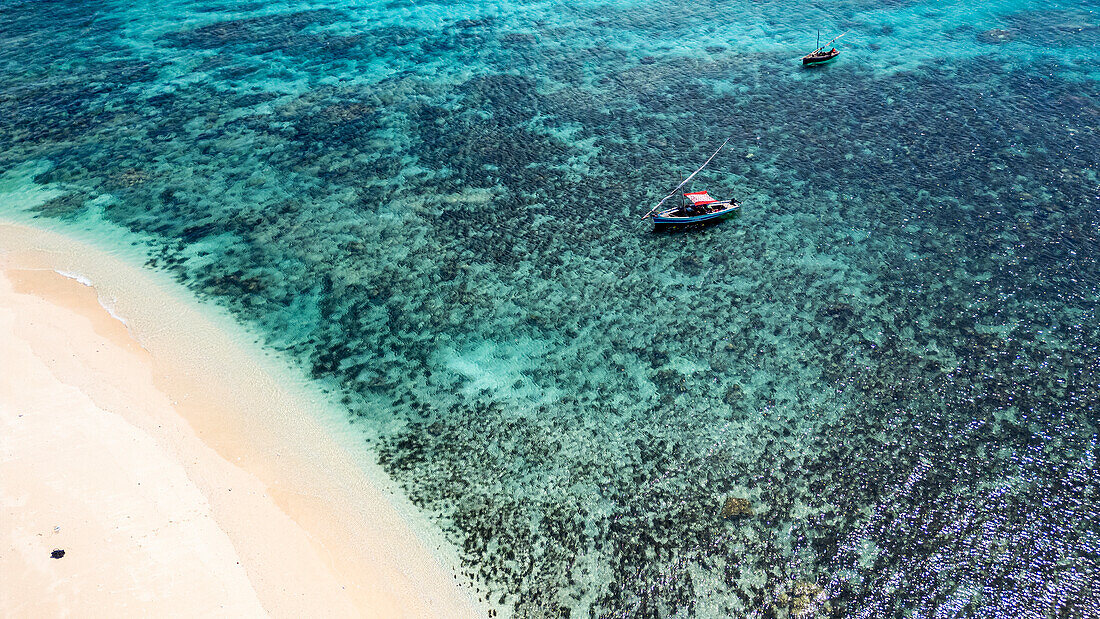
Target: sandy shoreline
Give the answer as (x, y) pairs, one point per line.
(180, 474)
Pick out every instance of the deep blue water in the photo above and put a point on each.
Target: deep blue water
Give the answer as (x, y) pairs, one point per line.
(893, 353)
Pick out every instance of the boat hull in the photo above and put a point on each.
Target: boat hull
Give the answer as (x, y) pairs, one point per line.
(666, 220)
(819, 59)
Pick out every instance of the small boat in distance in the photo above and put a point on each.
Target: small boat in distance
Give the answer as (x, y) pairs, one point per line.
(697, 208)
(819, 55)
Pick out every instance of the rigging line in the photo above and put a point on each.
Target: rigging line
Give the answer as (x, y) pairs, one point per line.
(821, 47)
(686, 180)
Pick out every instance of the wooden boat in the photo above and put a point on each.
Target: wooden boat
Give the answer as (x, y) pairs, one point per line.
(696, 209)
(819, 55)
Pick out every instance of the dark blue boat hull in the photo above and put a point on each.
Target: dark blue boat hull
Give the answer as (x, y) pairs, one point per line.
(813, 60)
(664, 221)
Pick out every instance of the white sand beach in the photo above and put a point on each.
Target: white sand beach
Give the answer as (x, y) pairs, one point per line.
(180, 473)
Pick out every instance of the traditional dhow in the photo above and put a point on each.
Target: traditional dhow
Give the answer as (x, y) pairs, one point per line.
(697, 208)
(821, 55)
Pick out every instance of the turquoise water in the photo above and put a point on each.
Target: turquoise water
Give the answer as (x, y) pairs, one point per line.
(893, 353)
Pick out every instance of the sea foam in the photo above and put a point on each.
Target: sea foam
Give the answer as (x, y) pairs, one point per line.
(108, 304)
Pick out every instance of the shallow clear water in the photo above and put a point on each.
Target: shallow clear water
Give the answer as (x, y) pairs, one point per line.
(893, 353)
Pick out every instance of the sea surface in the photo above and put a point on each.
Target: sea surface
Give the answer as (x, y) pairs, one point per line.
(434, 208)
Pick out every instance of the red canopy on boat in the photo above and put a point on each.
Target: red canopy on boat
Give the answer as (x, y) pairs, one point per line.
(700, 198)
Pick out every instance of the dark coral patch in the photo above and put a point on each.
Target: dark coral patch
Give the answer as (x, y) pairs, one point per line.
(263, 33)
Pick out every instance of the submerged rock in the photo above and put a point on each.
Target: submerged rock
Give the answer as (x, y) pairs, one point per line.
(130, 177)
(801, 600)
(996, 36)
(734, 394)
(736, 508)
